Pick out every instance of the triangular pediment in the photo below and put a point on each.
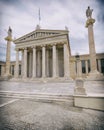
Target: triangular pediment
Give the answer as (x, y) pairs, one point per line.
(41, 33)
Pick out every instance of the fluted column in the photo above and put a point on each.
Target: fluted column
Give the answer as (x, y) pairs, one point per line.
(30, 64)
(57, 63)
(34, 62)
(66, 61)
(47, 62)
(43, 62)
(54, 61)
(25, 63)
(38, 64)
(17, 64)
(22, 63)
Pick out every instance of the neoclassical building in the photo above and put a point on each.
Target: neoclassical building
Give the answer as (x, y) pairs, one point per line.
(45, 53)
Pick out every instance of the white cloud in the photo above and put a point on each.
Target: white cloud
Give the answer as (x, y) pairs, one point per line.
(22, 16)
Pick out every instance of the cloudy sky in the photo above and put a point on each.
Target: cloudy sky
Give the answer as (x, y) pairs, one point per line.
(22, 16)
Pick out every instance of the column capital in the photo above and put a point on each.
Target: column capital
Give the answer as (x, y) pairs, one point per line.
(54, 44)
(49, 45)
(33, 47)
(16, 49)
(22, 49)
(90, 21)
(43, 45)
(25, 48)
(65, 42)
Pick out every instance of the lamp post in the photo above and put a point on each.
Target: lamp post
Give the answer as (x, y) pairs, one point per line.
(79, 83)
(78, 66)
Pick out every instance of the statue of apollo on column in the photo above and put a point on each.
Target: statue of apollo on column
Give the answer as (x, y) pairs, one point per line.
(89, 12)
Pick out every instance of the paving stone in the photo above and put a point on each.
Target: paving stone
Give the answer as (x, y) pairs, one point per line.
(30, 115)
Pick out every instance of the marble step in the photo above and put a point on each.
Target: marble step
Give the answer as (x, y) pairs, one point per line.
(43, 80)
(39, 97)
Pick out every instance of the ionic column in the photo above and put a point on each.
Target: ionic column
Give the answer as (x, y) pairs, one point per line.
(30, 64)
(66, 61)
(22, 63)
(99, 65)
(34, 62)
(57, 62)
(86, 63)
(38, 64)
(17, 64)
(47, 62)
(54, 61)
(43, 62)
(25, 63)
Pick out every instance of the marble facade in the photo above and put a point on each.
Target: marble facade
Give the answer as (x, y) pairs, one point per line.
(45, 53)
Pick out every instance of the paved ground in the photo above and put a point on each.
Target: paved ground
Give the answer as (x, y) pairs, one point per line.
(30, 115)
(19, 114)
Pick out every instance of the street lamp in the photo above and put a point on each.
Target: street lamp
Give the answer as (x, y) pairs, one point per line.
(77, 64)
(79, 83)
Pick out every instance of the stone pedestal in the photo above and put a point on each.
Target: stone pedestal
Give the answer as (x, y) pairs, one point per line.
(79, 87)
(95, 75)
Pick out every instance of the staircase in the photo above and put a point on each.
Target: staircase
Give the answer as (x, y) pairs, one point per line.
(39, 97)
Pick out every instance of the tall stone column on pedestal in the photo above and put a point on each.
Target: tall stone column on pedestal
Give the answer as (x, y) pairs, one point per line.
(8, 51)
(94, 74)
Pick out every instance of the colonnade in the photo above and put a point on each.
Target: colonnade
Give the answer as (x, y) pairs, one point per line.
(87, 66)
(44, 61)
